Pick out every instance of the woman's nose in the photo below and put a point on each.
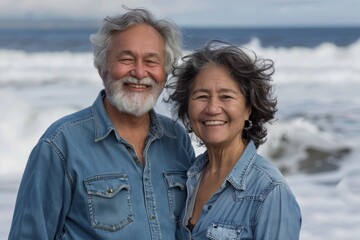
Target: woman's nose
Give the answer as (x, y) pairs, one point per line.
(213, 107)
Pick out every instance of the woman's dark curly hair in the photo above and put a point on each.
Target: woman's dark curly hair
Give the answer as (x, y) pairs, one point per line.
(253, 76)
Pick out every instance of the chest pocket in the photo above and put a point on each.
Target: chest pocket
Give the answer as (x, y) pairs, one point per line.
(219, 231)
(176, 188)
(109, 201)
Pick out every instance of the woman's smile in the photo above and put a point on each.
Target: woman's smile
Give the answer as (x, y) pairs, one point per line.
(214, 123)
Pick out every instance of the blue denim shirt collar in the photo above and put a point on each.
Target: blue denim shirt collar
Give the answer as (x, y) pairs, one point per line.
(104, 126)
(237, 176)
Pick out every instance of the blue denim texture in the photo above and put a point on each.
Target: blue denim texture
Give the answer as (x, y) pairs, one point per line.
(83, 181)
(254, 202)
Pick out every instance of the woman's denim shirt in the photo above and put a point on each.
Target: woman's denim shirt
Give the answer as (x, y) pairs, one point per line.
(83, 181)
(254, 202)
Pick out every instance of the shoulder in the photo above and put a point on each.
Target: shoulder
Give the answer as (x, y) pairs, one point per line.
(166, 121)
(263, 178)
(265, 167)
(68, 122)
(171, 126)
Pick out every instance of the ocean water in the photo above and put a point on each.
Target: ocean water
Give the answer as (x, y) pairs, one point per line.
(47, 73)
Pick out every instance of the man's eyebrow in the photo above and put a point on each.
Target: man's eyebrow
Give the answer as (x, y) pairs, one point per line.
(152, 55)
(124, 52)
(130, 53)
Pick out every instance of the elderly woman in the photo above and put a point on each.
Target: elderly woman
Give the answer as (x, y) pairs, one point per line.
(223, 94)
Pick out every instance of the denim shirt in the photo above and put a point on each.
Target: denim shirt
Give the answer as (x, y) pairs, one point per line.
(83, 181)
(254, 202)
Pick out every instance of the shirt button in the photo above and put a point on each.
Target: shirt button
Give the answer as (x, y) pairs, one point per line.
(152, 218)
(209, 207)
(109, 190)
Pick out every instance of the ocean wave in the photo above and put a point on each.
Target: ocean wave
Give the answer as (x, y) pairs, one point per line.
(326, 63)
(19, 68)
(299, 146)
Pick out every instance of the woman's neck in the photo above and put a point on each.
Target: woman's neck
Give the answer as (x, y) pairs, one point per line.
(222, 158)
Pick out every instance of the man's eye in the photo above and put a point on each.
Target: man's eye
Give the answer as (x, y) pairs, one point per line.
(151, 62)
(126, 60)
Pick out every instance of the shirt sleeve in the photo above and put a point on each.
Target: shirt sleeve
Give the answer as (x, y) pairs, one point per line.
(43, 197)
(190, 149)
(279, 217)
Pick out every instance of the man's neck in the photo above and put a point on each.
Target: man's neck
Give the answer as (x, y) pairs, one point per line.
(134, 129)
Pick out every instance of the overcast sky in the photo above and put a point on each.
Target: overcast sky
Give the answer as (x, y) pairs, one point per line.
(196, 12)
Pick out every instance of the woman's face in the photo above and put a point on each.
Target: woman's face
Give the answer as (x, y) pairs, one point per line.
(217, 110)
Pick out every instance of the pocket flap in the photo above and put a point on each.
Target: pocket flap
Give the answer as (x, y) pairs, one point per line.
(176, 179)
(106, 185)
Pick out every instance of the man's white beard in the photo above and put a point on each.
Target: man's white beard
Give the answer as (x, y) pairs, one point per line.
(134, 103)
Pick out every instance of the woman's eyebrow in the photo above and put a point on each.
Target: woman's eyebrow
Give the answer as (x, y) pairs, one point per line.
(222, 90)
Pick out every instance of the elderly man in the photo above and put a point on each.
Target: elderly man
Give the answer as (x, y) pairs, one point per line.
(117, 169)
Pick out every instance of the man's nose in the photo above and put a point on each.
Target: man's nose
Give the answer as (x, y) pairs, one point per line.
(139, 71)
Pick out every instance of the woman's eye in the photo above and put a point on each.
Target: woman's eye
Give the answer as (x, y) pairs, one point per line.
(202, 97)
(226, 97)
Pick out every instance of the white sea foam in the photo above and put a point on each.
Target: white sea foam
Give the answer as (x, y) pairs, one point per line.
(326, 63)
(22, 68)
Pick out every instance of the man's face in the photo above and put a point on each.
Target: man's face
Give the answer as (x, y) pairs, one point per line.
(136, 72)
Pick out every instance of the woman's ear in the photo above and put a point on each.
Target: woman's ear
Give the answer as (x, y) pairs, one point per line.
(248, 112)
